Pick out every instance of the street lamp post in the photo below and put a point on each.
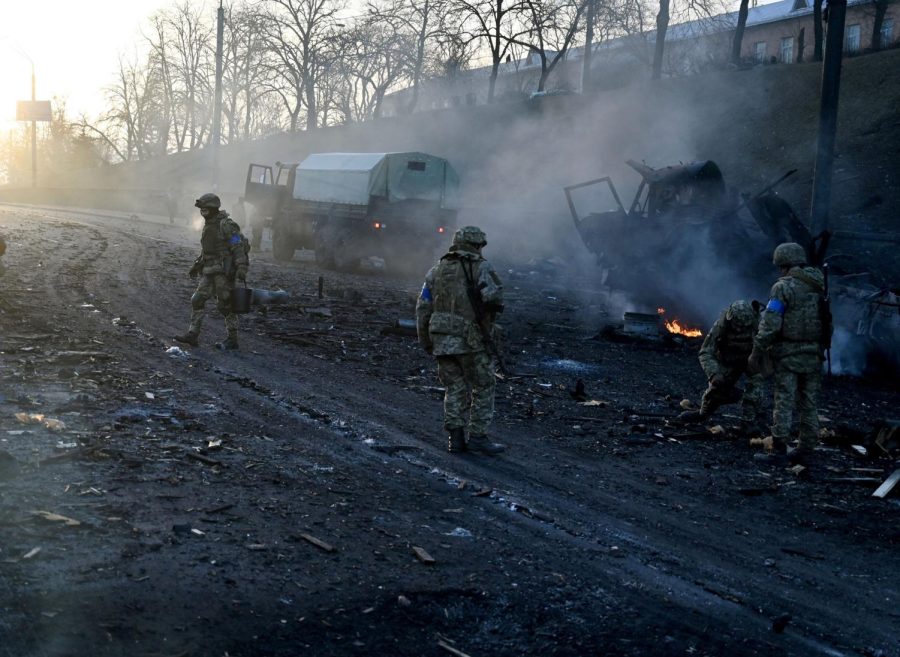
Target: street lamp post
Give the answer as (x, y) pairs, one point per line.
(33, 131)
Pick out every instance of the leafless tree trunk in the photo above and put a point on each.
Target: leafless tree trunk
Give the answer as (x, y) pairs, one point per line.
(817, 30)
(588, 46)
(662, 24)
(743, 10)
(299, 33)
(424, 20)
(881, 7)
(494, 22)
(552, 26)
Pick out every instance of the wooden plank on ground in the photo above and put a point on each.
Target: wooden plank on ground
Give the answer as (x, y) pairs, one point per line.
(422, 555)
(322, 545)
(888, 484)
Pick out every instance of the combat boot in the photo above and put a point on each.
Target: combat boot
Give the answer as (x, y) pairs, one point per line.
(692, 417)
(777, 457)
(801, 455)
(231, 342)
(456, 441)
(190, 338)
(480, 443)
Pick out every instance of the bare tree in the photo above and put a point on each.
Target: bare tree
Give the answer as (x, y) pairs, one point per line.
(736, 44)
(374, 58)
(662, 25)
(553, 25)
(421, 19)
(818, 32)
(299, 33)
(494, 22)
(881, 7)
(244, 72)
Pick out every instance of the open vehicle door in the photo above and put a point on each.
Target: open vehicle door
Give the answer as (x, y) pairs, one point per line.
(260, 190)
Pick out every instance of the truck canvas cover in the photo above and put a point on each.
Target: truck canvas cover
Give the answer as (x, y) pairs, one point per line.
(353, 178)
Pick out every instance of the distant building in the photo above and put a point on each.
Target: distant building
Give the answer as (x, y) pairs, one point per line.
(776, 33)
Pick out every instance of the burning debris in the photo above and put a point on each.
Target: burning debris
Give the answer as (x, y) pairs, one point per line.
(676, 328)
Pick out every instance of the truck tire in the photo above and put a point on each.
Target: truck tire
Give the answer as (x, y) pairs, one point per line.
(282, 246)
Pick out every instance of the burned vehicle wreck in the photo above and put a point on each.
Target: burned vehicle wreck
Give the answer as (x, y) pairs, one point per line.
(686, 238)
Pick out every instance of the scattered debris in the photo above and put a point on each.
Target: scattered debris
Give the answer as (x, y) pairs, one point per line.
(33, 552)
(322, 545)
(204, 459)
(405, 327)
(780, 622)
(453, 651)
(888, 485)
(37, 418)
(459, 532)
(55, 517)
(177, 352)
(423, 556)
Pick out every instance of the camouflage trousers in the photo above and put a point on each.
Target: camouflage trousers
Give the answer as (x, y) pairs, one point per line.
(800, 391)
(465, 376)
(727, 393)
(220, 286)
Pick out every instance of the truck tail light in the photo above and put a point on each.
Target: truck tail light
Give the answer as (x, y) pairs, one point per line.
(440, 229)
(378, 225)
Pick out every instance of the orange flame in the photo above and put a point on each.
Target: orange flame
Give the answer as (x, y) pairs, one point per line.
(675, 326)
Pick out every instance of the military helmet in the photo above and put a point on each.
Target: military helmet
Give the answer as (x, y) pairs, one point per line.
(789, 254)
(208, 201)
(471, 235)
(741, 313)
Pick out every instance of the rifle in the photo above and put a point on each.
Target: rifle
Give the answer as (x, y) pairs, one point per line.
(480, 320)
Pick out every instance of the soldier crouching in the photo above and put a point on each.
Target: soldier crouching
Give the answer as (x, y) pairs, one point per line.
(222, 262)
(723, 357)
(455, 319)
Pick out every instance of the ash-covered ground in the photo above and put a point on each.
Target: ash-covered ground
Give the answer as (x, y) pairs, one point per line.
(289, 499)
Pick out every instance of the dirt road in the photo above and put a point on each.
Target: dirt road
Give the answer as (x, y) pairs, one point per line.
(273, 501)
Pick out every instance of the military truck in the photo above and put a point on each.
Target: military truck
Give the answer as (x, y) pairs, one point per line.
(350, 206)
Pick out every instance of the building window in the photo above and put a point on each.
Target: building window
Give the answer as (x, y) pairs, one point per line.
(887, 32)
(853, 38)
(787, 50)
(759, 51)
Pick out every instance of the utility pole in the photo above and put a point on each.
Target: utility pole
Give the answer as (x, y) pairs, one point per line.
(217, 106)
(828, 110)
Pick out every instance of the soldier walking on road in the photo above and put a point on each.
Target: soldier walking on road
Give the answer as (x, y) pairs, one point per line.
(793, 329)
(723, 358)
(222, 262)
(455, 319)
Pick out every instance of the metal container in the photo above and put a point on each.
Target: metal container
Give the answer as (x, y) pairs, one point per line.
(646, 324)
(241, 298)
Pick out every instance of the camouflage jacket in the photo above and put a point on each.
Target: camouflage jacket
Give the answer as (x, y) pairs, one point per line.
(727, 346)
(445, 318)
(791, 327)
(224, 248)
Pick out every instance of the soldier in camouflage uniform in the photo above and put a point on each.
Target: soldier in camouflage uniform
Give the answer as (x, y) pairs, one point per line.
(792, 331)
(723, 358)
(458, 290)
(222, 262)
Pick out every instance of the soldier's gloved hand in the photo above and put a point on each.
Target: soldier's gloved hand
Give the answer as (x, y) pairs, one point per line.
(194, 272)
(754, 363)
(241, 276)
(717, 380)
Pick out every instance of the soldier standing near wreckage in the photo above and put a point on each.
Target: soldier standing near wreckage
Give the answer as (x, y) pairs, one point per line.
(222, 262)
(723, 358)
(455, 315)
(793, 330)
